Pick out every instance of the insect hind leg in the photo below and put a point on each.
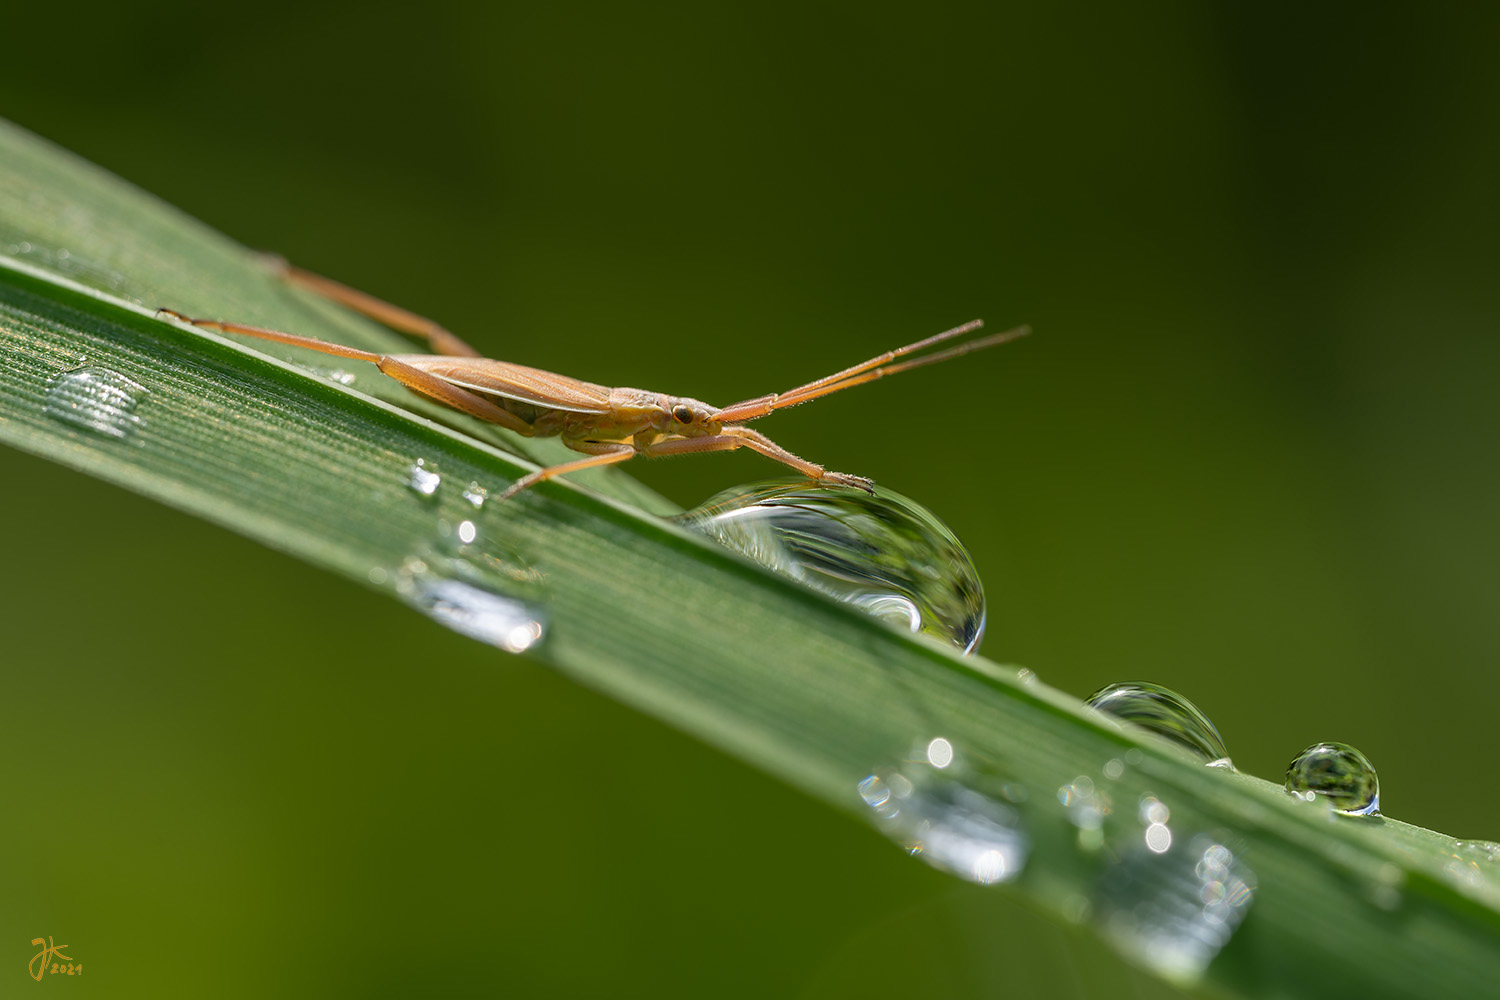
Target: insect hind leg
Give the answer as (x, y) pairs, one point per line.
(438, 337)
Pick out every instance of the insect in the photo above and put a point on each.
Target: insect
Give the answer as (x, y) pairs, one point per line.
(606, 425)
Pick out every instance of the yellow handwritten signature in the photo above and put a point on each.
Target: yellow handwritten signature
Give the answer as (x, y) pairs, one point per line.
(64, 966)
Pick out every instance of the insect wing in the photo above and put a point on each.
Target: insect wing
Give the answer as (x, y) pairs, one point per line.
(545, 389)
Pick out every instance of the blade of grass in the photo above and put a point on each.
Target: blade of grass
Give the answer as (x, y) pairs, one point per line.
(787, 681)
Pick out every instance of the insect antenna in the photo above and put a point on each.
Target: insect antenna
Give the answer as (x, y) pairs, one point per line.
(869, 371)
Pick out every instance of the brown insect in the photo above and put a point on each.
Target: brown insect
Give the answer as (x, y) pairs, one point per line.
(608, 425)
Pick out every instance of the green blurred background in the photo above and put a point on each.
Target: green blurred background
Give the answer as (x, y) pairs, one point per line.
(1249, 455)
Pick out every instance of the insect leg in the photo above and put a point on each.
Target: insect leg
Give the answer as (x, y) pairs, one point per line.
(604, 453)
(404, 320)
(418, 381)
(733, 438)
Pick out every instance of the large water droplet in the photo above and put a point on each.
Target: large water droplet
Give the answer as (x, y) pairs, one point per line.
(930, 805)
(1340, 774)
(97, 399)
(883, 553)
(1165, 713)
(1173, 906)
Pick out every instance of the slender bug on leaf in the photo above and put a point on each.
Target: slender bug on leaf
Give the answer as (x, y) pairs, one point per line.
(607, 425)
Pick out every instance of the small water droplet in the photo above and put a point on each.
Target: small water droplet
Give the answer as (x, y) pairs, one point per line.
(423, 479)
(470, 609)
(883, 553)
(1171, 907)
(1165, 713)
(1340, 774)
(467, 532)
(944, 822)
(340, 376)
(940, 753)
(476, 494)
(98, 399)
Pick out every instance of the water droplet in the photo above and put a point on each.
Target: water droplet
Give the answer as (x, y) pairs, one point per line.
(340, 376)
(422, 479)
(98, 399)
(949, 825)
(467, 607)
(1340, 774)
(940, 753)
(1174, 907)
(476, 494)
(881, 553)
(1165, 713)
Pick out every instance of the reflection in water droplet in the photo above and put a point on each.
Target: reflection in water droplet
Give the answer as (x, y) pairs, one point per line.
(1340, 774)
(884, 554)
(97, 399)
(945, 823)
(423, 479)
(1165, 713)
(470, 609)
(467, 532)
(1174, 907)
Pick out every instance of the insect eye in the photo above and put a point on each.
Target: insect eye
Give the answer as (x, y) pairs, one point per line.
(682, 414)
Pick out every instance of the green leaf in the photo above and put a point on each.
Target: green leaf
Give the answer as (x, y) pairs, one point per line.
(335, 465)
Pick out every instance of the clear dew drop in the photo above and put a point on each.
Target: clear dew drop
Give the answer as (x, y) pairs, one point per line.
(97, 399)
(1339, 774)
(883, 553)
(423, 479)
(441, 592)
(939, 819)
(1165, 713)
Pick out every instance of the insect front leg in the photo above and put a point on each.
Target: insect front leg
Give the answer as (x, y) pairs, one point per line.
(601, 453)
(733, 438)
